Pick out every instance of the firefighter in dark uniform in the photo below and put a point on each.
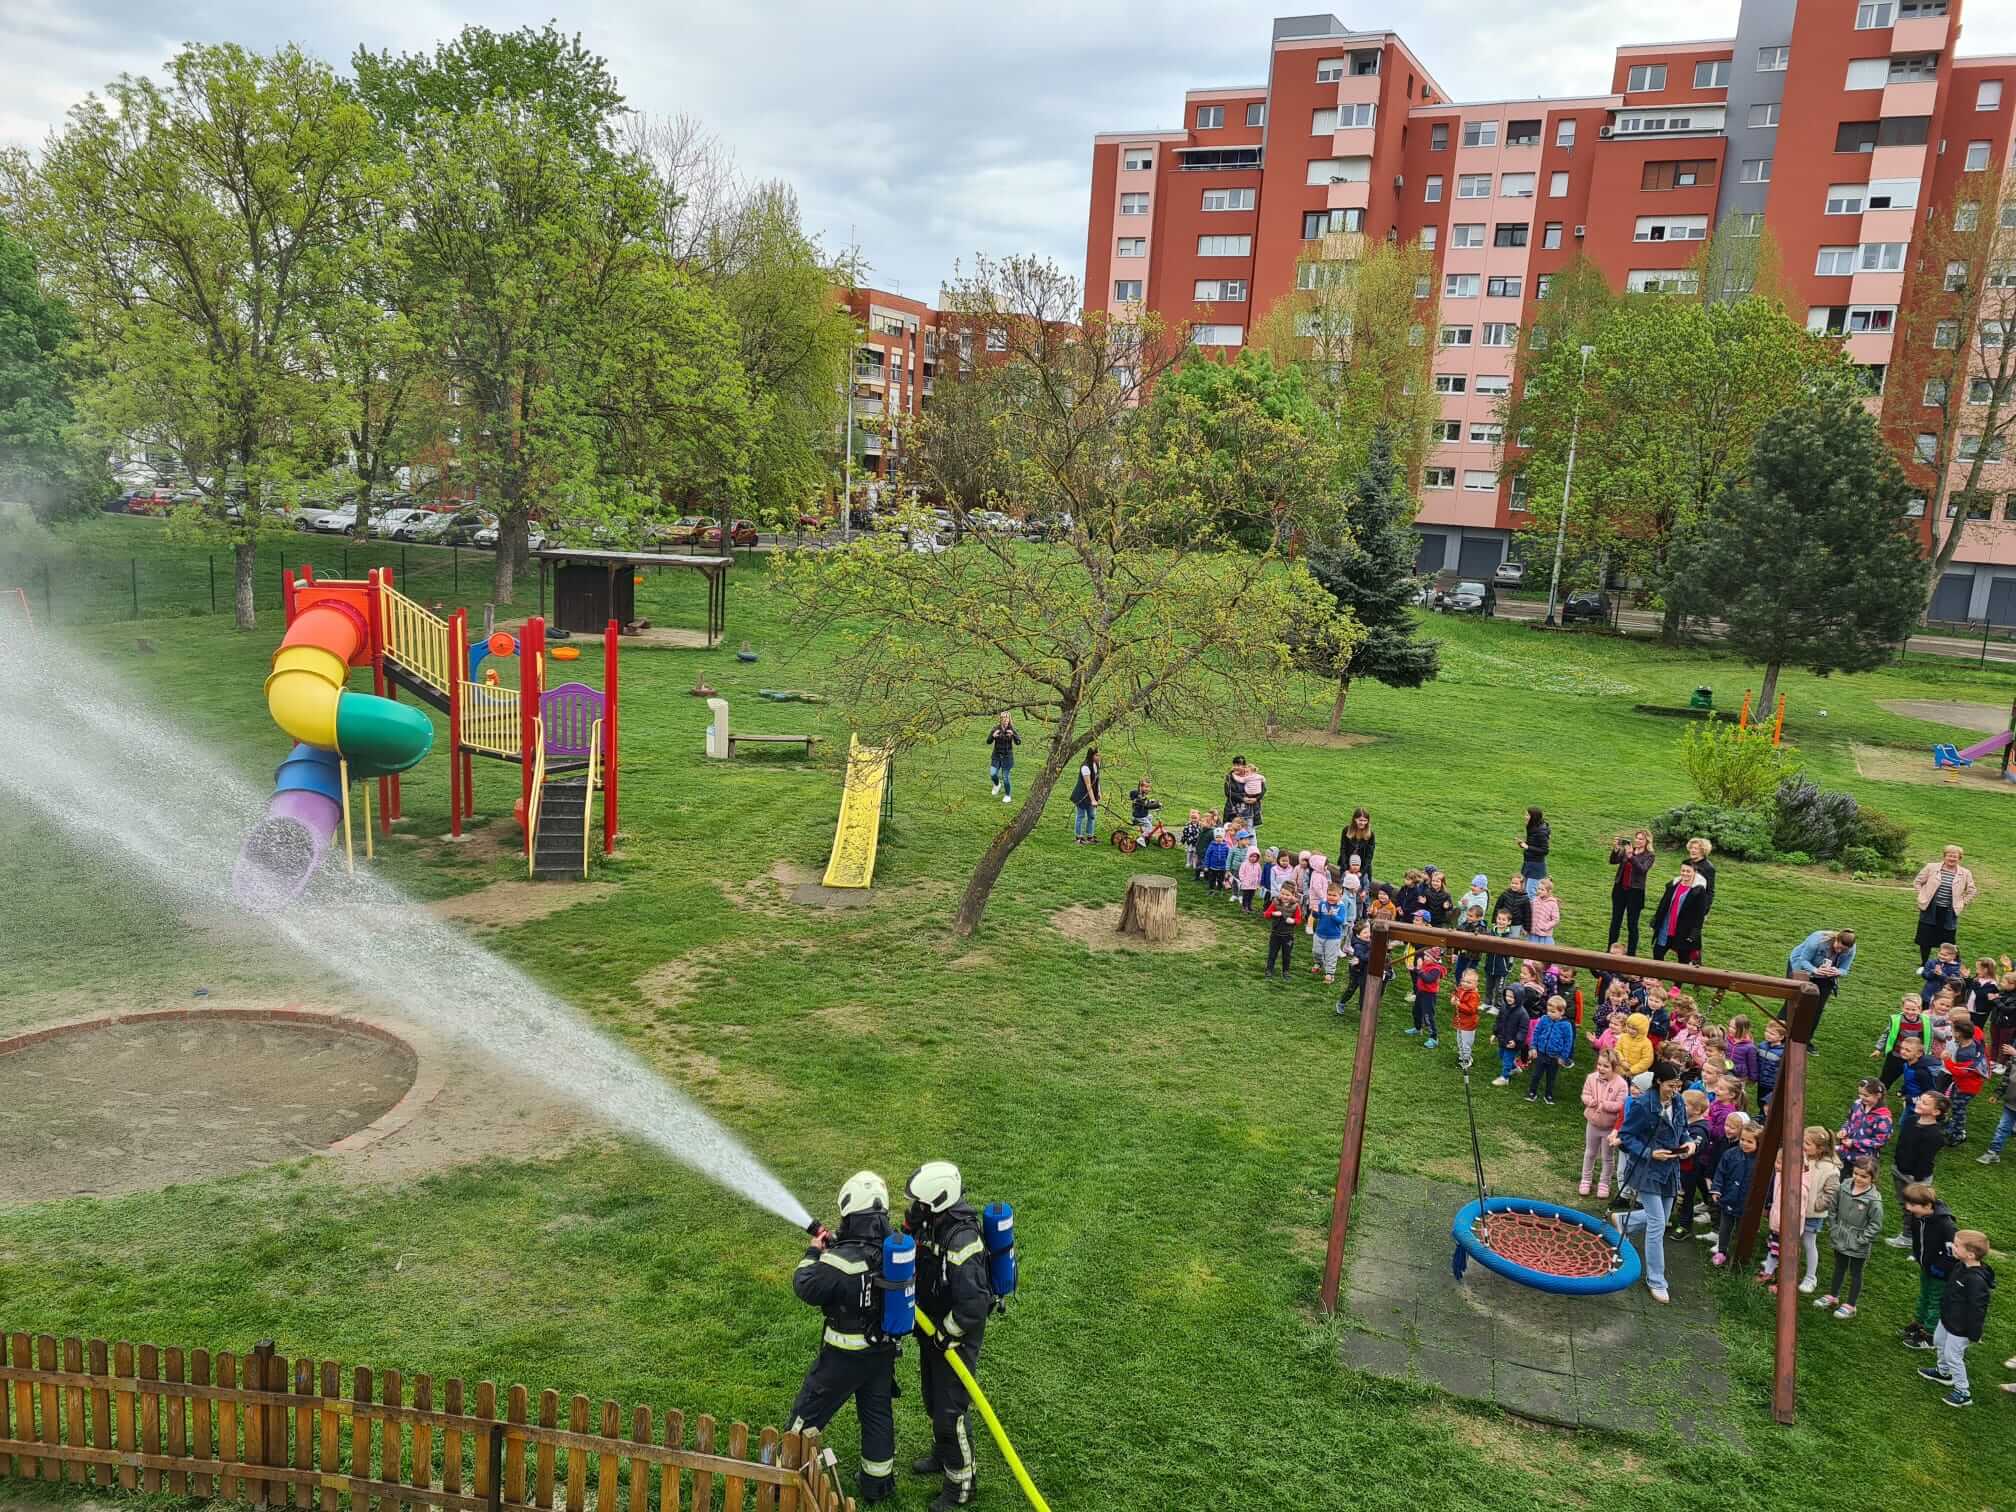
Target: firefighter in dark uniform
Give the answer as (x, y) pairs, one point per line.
(838, 1276)
(953, 1290)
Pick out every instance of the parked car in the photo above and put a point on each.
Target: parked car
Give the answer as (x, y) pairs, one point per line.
(401, 524)
(1509, 574)
(326, 521)
(708, 533)
(1588, 606)
(151, 501)
(1468, 597)
(487, 536)
(458, 529)
(118, 502)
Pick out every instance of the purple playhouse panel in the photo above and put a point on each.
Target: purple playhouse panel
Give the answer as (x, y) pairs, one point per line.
(569, 713)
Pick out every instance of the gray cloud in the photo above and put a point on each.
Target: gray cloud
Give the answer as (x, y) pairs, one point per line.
(922, 131)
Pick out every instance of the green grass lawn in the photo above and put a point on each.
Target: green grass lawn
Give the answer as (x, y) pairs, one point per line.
(1166, 1126)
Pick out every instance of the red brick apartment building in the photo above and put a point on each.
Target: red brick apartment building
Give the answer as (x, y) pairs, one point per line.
(895, 366)
(1837, 123)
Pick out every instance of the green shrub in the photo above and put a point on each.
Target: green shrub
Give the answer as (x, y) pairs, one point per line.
(1813, 820)
(1880, 833)
(1744, 833)
(1860, 858)
(1732, 768)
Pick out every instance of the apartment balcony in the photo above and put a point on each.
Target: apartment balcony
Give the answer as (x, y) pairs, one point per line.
(1919, 34)
(1910, 99)
(1876, 289)
(1349, 195)
(1889, 226)
(871, 375)
(1870, 348)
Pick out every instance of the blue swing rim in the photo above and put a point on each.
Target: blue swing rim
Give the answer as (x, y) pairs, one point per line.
(1621, 1278)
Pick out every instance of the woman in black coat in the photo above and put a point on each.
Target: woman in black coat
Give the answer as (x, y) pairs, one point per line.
(1676, 922)
(1533, 868)
(1357, 840)
(1633, 860)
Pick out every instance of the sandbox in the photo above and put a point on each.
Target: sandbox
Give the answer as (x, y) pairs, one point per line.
(100, 1107)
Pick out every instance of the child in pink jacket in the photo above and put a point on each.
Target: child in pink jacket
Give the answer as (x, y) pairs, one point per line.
(1604, 1092)
(1249, 878)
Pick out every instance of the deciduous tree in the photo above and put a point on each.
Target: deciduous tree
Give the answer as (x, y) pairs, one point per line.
(1808, 560)
(42, 459)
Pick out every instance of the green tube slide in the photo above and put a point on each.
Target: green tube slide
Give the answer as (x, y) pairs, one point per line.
(380, 738)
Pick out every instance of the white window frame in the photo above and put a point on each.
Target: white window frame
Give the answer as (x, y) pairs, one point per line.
(1500, 333)
(1137, 160)
(1876, 15)
(1429, 236)
(1867, 73)
(1914, 68)
(1460, 285)
(1352, 117)
(1564, 132)
(1875, 320)
(1225, 246)
(1134, 203)
(1775, 59)
(1493, 385)
(1764, 115)
(1835, 262)
(1473, 186)
(1988, 95)
(1934, 394)
(1846, 199)
(1557, 184)
(1452, 383)
(1329, 70)
(1131, 246)
(1218, 335)
(1210, 117)
(1670, 228)
(1235, 199)
(1323, 122)
(1455, 336)
(1515, 185)
(1978, 156)
(1467, 235)
(1487, 433)
(1256, 113)
(1121, 287)
(1480, 134)
(1881, 257)
(1431, 189)
(1891, 194)
(1479, 480)
(1222, 290)
(1718, 73)
(1755, 171)
(1445, 432)
(1438, 477)
(1645, 78)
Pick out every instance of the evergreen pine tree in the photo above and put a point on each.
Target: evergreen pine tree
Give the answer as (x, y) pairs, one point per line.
(1371, 573)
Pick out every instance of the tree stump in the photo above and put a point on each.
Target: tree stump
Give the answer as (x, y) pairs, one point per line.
(1150, 909)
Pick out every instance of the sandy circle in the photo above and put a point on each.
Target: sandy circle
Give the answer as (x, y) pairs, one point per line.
(1889, 764)
(131, 1105)
(1989, 719)
(1099, 929)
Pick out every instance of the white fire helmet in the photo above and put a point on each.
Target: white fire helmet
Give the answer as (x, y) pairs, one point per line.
(864, 1192)
(936, 1185)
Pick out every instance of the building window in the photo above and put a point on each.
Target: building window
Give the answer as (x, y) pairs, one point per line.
(1329, 70)
(1480, 133)
(1773, 59)
(1892, 194)
(1323, 122)
(1875, 15)
(1459, 286)
(1438, 477)
(1926, 448)
(1126, 290)
(1764, 115)
(1256, 115)
(1856, 136)
(1916, 68)
(1132, 246)
(1756, 171)
(1499, 333)
(1210, 117)
(1445, 431)
(1428, 236)
(1487, 435)
(1564, 132)
(997, 339)
(1228, 199)
(1217, 335)
(1686, 173)
(1956, 277)
(1712, 73)
(1456, 336)
(1542, 284)
(1431, 191)
(2002, 275)
(1646, 76)
(1904, 131)
(1510, 236)
(1989, 95)
(1557, 186)
(1746, 223)
(1224, 246)
(1475, 481)
(1516, 186)
(1473, 186)
(1133, 204)
(1138, 161)
(1355, 115)
(1496, 386)
(1654, 228)
(1662, 281)
(1505, 287)
(1550, 236)
(1980, 390)
(1466, 235)
(1365, 63)
(1522, 134)
(1871, 319)
(1914, 507)
(1882, 257)
(1868, 73)
(1451, 383)
(1935, 392)
(1966, 216)
(1946, 335)
(1438, 137)
(1845, 199)
(1970, 448)
(1314, 224)
(1423, 286)
(1835, 262)
(1220, 291)
(1977, 157)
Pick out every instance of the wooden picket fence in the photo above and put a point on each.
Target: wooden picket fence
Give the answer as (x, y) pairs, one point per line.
(257, 1428)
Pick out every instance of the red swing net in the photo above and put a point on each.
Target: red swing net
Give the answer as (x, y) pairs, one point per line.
(1545, 1244)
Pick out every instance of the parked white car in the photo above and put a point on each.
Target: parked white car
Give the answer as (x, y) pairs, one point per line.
(404, 524)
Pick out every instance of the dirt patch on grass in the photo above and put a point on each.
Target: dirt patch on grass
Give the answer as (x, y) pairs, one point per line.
(491, 842)
(503, 905)
(1518, 1165)
(853, 1019)
(1343, 740)
(677, 981)
(1987, 718)
(1099, 929)
(1890, 764)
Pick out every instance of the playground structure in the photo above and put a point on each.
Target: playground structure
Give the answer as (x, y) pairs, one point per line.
(863, 802)
(1944, 756)
(1777, 722)
(1783, 1128)
(563, 740)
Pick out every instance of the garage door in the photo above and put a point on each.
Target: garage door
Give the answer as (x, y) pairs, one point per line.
(1479, 556)
(2002, 602)
(1433, 553)
(1956, 589)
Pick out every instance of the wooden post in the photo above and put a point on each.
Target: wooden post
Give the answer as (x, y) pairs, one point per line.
(1353, 1148)
(609, 701)
(1150, 909)
(255, 1415)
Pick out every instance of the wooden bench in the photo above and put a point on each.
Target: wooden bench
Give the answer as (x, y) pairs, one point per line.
(807, 741)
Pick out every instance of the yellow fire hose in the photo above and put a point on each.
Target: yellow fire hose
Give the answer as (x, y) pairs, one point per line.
(993, 1423)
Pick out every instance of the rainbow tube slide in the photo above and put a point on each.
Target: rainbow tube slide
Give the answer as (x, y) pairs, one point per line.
(306, 695)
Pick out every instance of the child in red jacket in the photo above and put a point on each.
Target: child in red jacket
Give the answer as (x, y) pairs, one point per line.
(1966, 1062)
(1427, 983)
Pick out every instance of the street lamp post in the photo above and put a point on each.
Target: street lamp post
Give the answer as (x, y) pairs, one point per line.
(1567, 484)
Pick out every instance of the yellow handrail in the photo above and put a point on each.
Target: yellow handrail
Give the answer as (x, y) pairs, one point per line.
(490, 719)
(532, 808)
(416, 638)
(588, 796)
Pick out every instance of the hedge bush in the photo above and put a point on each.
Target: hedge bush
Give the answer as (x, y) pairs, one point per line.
(1744, 833)
(1732, 768)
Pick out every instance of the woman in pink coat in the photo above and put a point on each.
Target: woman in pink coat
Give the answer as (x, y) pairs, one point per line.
(1604, 1092)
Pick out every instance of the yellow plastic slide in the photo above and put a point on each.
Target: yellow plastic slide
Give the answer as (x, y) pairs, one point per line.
(860, 826)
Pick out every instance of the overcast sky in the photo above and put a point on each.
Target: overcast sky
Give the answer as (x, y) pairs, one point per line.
(921, 130)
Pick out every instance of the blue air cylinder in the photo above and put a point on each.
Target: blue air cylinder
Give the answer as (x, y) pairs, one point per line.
(899, 1284)
(997, 1230)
